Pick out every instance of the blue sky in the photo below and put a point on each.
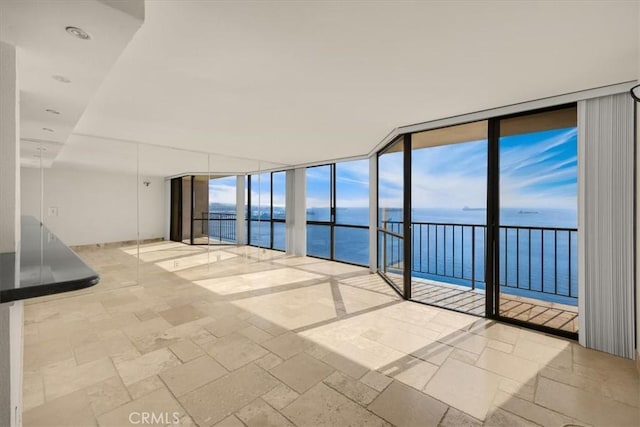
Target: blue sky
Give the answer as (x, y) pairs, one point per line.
(352, 185)
(537, 170)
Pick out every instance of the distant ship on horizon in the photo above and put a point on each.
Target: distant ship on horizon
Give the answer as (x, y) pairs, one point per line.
(467, 208)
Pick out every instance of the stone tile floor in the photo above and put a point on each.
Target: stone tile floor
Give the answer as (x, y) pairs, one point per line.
(237, 336)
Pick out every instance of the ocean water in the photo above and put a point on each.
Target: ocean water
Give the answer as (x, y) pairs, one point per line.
(538, 249)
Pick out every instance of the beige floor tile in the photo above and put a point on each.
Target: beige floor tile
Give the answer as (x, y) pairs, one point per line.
(498, 331)
(67, 380)
(555, 357)
(507, 365)
(404, 406)
(530, 411)
(301, 372)
(69, 410)
(344, 365)
(280, 397)
(259, 414)
(230, 421)
(353, 389)
(182, 314)
(234, 351)
(500, 346)
(584, 406)
(145, 386)
(332, 268)
(322, 406)
(464, 341)
(134, 370)
(376, 380)
(474, 398)
(226, 325)
(262, 294)
(412, 372)
(186, 350)
(455, 418)
(159, 403)
(499, 418)
(435, 353)
(257, 281)
(255, 334)
(45, 353)
(32, 390)
(294, 308)
(268, 361)
(287, 345)
(107, 395)
(523, 391)
(191, 375)
(232, 392)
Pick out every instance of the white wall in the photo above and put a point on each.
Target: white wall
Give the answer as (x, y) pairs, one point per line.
(95, 207)
(11, 314)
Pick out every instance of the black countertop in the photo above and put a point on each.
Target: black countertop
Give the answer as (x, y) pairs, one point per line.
(47, 266)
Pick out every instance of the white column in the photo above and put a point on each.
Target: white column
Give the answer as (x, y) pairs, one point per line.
(240, 220)
(290, 212)
(373, 213)
(11, 319)
(297, 212)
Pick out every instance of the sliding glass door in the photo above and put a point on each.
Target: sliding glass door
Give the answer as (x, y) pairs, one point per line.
(448, 216)
(392, 199)
(482, 218)
(537, 234)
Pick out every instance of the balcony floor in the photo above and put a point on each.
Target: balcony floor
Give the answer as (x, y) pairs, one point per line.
(461, 298)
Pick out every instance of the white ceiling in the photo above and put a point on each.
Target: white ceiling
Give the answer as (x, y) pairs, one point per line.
(297, 82)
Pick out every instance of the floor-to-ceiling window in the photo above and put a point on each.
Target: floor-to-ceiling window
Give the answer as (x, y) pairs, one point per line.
(222, 209)
(537, 217)
(266, 210)
(338, 211)
(448, 216)
(203, 209)
(493, 225)
(391, 214)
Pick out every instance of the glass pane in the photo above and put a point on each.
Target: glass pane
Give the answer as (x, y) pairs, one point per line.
(352, 245)
(222, 210)
(279, 194)
(391, 258)
(279, 236)
(391, 188)
(319, 240)
(319, 193)
(260, 233)
(390, 213)
(261, 196)
(352, 192)
(538, 219)
(448, 216)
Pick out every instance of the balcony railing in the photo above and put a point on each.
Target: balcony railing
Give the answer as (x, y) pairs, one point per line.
(221, 226)
(538, 260)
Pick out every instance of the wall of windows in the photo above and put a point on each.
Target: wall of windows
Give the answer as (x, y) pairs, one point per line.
(266, 194)
(338, 211)
(480, 217)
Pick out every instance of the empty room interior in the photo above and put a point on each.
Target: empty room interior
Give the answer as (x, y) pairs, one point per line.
(319, 213)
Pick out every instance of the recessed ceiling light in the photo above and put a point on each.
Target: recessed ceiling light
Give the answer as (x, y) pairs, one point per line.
(78, 32)
(49, 110)
(62, 79)
(47, 129)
